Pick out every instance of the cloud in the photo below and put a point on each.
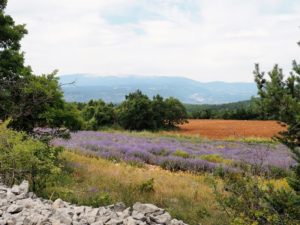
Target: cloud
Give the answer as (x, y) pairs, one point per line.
(204, 40)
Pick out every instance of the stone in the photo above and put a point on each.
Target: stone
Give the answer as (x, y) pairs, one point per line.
(119, 207)
(162, 219)
(138, 216)
(11, 221)
(145, 208)
(114, 222)
(177, 222)
(24, 187)
(14, 209)
(15, 190)
(58, 203)
(18, 207)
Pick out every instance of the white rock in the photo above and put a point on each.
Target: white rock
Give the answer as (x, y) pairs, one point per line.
(162, 219)
(14, 209)
(58, 203)
(24, 187)
(145, 208)
(18, 207)
(15, 190)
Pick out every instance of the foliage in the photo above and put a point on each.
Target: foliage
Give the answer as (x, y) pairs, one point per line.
(12, 70)
(247, 200)
(244, 198)
(244, 110)
(135, 113)
(42, 105)
(181, 154)
(280, 98)
(97, 114)
(175, 112)
(147, 186)
(30, 101)
(22, 157)
(216, 158)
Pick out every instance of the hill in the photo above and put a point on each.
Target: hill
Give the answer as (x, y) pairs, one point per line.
(113, 88)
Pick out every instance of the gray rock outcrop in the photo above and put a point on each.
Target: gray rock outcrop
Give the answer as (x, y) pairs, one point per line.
(19, 207)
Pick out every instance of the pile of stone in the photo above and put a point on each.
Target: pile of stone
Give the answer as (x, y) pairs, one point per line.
(18, 206)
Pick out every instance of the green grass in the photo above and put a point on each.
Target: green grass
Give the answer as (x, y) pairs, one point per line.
(181, 154)
(215, 158)
(253, 140)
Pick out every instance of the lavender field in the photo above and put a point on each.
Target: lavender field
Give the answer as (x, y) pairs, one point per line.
(177, 154)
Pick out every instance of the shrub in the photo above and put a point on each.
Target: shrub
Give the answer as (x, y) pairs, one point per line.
(247, 200)
(147, 186)
(22, 157)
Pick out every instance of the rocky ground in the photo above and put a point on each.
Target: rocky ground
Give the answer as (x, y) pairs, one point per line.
(18, 206)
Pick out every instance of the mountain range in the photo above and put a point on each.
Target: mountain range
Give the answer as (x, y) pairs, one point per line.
(84, 87)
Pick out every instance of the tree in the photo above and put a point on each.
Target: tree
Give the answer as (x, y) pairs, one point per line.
(12, 69)
(281, 100)
(245, 198)
(159, 111)
(135, 113)
(29, 100)
(175, 112)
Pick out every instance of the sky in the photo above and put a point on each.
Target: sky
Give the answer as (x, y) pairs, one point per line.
(205, 40)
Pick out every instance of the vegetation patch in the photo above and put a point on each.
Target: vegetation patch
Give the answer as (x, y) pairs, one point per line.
(181, 154)
(215, 158)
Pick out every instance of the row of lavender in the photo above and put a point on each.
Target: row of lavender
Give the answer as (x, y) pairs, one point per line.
(174, 154)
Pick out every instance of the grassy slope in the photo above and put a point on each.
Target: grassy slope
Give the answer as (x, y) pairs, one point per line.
(99, 182)
(95, 181)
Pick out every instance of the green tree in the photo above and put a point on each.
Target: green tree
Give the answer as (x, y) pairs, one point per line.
(159, 111)
(12, 69)
(246, 199)
(30, 101)
(98, 114)
(281, 99)
(175, 112)
(135, 113)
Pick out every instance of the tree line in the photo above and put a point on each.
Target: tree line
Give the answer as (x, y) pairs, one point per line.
(243, 110)
(136, 112)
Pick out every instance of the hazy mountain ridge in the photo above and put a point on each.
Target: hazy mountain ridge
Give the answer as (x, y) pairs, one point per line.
(113, 88)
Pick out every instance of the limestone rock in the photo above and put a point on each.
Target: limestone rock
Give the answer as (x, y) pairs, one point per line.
(18, 206)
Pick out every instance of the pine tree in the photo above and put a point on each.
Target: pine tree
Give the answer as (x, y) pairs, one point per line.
(280, 99)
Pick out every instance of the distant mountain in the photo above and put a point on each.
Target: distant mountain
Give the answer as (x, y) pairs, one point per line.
(113, 89)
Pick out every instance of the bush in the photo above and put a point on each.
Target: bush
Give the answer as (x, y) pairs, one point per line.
(22, 157)
(248, 200)
(147, 186)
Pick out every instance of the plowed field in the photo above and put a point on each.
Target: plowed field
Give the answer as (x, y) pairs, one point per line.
(220, 129)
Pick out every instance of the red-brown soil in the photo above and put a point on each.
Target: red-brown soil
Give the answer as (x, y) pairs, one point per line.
(220, 129)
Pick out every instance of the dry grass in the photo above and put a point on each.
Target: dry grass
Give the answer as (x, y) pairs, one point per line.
(95, 181)
(186, 196)
(238, 129)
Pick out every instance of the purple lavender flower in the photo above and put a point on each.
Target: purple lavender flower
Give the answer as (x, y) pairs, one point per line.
(162, 151)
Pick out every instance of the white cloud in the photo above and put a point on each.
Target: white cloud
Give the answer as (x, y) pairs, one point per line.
(204, 40)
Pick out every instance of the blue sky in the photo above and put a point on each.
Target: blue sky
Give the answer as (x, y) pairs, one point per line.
(205, 40)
